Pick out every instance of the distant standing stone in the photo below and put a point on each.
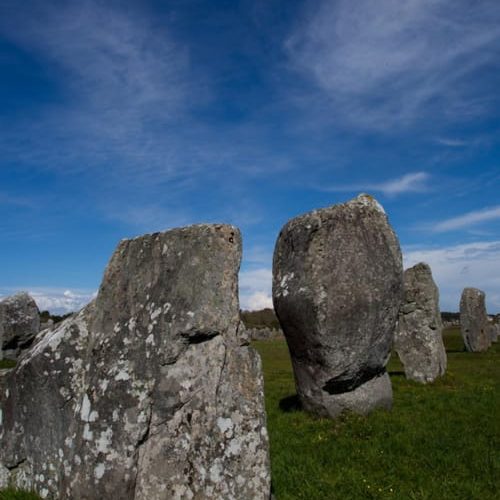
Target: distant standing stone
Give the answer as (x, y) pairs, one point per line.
(494, 331)
(337, 289)
(418, 339)
(474, 320)
(19, 324)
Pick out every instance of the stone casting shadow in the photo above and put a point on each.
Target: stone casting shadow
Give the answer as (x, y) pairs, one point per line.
(290, 404)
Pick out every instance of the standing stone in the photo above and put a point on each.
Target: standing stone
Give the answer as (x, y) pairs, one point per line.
(150, 392)
(418, 339)
(337, 289)
(474, 320)
(493, 329)
(19, 324)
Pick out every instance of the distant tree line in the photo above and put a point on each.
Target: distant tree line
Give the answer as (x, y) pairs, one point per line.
(266, 318)
(45, 316)
(449, 316)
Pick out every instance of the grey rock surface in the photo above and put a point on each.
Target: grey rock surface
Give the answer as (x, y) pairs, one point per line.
(418, 339)
(151, 391)
(19, 324)
(494, 329)
(337, 289)
(474, 320)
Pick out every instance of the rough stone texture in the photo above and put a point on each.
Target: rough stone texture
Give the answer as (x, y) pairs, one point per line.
(150, 392)
(19, 324)
(494, 329)
(474, 320)
(418, 339)
(337, 289)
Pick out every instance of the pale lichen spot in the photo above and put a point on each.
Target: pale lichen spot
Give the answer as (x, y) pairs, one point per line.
(215, 473)
(155, 313)
(122, 375)
(104, 441)
(99, 471)
(224, 424)
(85, 409)
(88, 435)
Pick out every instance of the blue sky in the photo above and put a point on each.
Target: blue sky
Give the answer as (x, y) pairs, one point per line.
(120, 118)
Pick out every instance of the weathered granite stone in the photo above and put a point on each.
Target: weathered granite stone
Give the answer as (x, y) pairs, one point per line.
(418, 339)
(474, 320)
(149, 392)
(337, 289)
(494, 329)
(19, 324)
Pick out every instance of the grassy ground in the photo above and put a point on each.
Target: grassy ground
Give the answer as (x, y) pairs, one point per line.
(12, 494)
(441, 441)
(7, 363)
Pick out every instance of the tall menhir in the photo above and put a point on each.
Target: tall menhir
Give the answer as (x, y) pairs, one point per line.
(337, 289)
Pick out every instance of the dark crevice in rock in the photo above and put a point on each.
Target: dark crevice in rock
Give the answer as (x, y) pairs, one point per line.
(219, 382)
(199, 337)
(336, 386)
(15, 344)
(142, 440)
(16, 465)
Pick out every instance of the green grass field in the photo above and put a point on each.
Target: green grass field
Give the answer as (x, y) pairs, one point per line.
(11, 494)
(440, 441)
(7, 363)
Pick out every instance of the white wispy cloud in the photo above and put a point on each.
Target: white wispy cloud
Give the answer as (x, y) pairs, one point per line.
(415, 182)
(123, 82)
(459, 266)
(255, 289)
(452, 143)
(468, 219)
(387, 63)
(55, 300)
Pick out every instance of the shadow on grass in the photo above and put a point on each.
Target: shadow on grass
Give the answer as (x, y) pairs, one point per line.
(397, 373)
(290, 403)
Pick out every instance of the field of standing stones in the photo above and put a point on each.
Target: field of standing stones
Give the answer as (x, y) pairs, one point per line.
(153, 391)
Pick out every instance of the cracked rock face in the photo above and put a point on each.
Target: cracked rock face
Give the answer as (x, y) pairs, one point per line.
(474, 320)
(418, 339)
(150, 392)
(337, 288)
(19, 325)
